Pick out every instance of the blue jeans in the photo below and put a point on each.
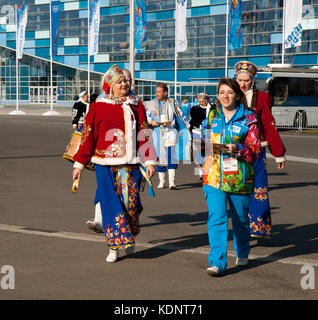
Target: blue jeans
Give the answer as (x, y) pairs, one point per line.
(218, 225)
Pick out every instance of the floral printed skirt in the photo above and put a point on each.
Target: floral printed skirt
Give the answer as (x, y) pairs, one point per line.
(118, 193)
(260, 213)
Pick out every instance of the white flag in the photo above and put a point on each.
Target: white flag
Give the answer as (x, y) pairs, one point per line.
(22, 17)
(181, 25)
(293, 23)
(94, 20)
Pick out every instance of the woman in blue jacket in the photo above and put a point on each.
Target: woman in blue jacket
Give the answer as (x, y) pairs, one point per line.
(232, 135)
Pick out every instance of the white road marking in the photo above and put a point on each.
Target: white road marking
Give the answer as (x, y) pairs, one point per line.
(166, 246)
(296, 159)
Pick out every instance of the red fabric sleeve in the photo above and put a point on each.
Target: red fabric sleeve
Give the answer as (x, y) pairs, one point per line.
(89, 137)
(275, 144)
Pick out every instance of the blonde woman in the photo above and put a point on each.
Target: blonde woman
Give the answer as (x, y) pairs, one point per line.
(114, 140)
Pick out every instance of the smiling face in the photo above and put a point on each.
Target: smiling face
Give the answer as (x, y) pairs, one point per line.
(120, 87)
(227, 96)
(244, 80)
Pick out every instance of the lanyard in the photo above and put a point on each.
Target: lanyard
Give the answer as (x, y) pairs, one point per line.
(166, 111)
(224, 129)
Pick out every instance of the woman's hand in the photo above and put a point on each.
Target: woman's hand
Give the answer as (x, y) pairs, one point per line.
(150, 171)
(155, 124)
(77, 174)
(281, 165)
(229, 148)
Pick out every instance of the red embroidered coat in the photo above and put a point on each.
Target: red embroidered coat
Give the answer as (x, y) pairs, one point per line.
(113, 134)
(268, 131)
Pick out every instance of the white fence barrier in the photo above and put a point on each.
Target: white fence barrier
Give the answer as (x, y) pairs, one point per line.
(296, 119)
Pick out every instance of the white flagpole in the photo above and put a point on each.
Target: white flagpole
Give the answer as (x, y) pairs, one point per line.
(227, 37)
(283, 36)
(17, 78)
(175, 57)
(132, 41)
(51, 64)
(88, 55)
(51, 112)
(175, 73)
(17, 111)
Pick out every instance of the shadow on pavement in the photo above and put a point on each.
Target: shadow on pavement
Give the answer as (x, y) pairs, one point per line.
(189, 185)
(30, 157)
(293, 185)
(189, 242)
(277, 174)
(293, 242)
(198, 218)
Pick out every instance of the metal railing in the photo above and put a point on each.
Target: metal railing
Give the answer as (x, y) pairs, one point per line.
(298, 120)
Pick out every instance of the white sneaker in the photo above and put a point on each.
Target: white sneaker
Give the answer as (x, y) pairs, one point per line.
(241, 261)
(130, 250)
(213, 271)
(112, 255)
(92, 225)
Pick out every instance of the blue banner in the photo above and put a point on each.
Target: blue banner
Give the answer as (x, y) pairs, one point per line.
(55, 20)
(140, 25)
(94, 20)
(22, 16)
(235, 34)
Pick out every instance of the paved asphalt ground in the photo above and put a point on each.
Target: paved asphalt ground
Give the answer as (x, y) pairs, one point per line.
(43, 234)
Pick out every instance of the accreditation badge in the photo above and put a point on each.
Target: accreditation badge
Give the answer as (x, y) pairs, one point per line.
(230, 165)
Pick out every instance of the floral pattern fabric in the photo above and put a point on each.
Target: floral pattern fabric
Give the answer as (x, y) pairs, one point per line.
(260, 212)
(241, 130)
(118, 193)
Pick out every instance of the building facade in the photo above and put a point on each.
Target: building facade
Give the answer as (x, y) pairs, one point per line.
(204, 61)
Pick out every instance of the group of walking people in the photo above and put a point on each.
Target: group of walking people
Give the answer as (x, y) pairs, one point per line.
(126, 143)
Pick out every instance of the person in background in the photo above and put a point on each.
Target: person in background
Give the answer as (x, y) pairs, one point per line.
(184, 133)
(198, 114)
(259, 102)
(186, 107)
(93, 98)
(109, 140)
(195, 102)
(96, 224)
(232, 133)
(165, 118)
(79, 111)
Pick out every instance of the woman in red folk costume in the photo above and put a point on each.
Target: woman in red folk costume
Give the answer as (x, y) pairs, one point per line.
(114, 140)
(259, 102)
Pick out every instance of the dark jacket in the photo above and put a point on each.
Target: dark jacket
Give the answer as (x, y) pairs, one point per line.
(78, 112)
